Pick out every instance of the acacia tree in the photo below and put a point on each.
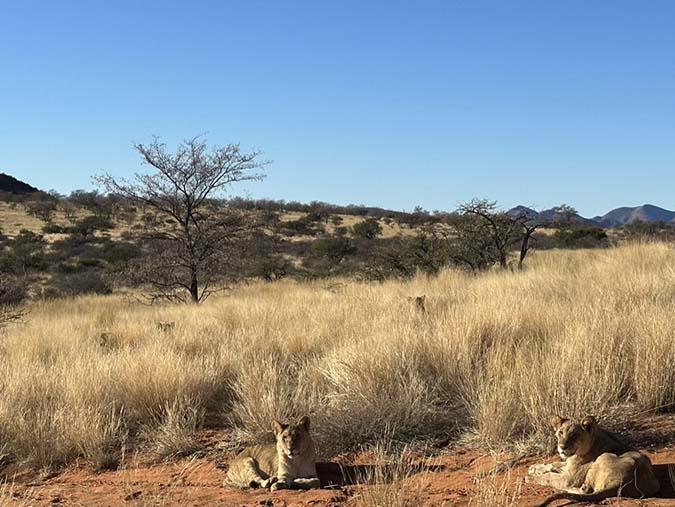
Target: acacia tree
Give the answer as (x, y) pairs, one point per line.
(471, 245)
(187, 249)
(43, 209)
(563, 215)
(497, 227)
(487, 233)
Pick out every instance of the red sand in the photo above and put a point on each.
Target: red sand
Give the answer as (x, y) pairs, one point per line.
(198, 482)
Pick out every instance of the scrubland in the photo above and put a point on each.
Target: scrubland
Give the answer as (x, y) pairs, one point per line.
(494, 354)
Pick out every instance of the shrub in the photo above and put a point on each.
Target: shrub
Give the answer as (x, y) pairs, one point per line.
(13, 291)
(9, 264)
(305, 226)
(87, 282)
(42, 209)
(369, 228)
(52, 228)
(87, 226)
(654, 231)
(27, 248)
(335, 248)
(120, 252)
(582, 237)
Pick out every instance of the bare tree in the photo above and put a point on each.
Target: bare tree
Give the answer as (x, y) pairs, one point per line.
(69, 211)
(43, 209)
(563, 214)
(187, 247)
(529, 225)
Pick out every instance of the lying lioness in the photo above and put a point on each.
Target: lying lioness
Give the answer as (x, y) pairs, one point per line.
(291, 463)
(597, 465)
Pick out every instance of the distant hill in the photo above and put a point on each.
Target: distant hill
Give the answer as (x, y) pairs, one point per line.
(13, 186)
(615, 218)
(546, 216)
(627, 215)
(523, 211)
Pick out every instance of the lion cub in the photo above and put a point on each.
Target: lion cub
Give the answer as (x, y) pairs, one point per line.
(291, 463)
(597, 465)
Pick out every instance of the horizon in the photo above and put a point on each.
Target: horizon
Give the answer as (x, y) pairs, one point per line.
(383, 105)
(366, 205)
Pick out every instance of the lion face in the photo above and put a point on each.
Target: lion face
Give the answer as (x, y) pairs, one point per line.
(573, 437)
(292, 439)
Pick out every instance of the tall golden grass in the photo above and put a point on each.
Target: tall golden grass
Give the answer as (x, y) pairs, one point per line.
(494, 354)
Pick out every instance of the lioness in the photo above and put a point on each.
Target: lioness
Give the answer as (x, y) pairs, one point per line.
(291, 463)
(597, 465)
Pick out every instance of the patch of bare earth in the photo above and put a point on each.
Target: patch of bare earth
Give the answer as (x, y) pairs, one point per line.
(197, 481)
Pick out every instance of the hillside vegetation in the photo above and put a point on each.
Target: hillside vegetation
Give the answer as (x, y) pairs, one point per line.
(88, 243)
(492, 356)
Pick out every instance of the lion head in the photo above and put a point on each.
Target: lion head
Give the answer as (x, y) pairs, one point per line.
(573, 437)
(293, 439)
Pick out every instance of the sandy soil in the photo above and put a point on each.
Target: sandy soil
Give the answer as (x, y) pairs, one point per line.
(198, 481)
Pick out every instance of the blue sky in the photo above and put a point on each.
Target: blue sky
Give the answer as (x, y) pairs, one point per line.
(383, 103)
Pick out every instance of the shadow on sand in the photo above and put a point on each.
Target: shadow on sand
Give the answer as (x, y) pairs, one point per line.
(665, 473)
(336, 475)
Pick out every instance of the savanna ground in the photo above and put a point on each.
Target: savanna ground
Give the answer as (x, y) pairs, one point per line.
(101, 406)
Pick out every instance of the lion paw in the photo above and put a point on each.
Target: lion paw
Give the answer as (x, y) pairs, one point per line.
(278, 485)
(268, 482)
(539, 469)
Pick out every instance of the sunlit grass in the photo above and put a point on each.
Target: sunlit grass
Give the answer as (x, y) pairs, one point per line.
(495, 354)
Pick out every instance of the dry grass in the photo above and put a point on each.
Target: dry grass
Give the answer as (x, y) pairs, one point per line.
(392, 480)
(9, 497)
(577, 332)
(15, 218)
(496, 492)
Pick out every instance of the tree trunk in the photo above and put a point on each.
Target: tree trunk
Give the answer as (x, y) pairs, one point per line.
(194, 288)
(525, 246)
(502, 261)
(523, 251)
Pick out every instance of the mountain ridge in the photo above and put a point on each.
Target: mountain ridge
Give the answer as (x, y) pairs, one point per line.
(12, 185)
(617, 217)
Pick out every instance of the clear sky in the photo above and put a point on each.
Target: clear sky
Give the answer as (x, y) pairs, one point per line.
(384, 103)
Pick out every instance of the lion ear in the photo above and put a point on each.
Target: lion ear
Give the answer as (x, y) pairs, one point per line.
(278, 427)
(556, 421)
(304, 422)
(588, 423)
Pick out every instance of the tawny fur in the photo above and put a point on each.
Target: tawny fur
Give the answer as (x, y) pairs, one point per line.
(291, 463)
(597, 465)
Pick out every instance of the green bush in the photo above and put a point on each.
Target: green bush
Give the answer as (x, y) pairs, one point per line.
(582, 237)
(335, 248)
(369, 228)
